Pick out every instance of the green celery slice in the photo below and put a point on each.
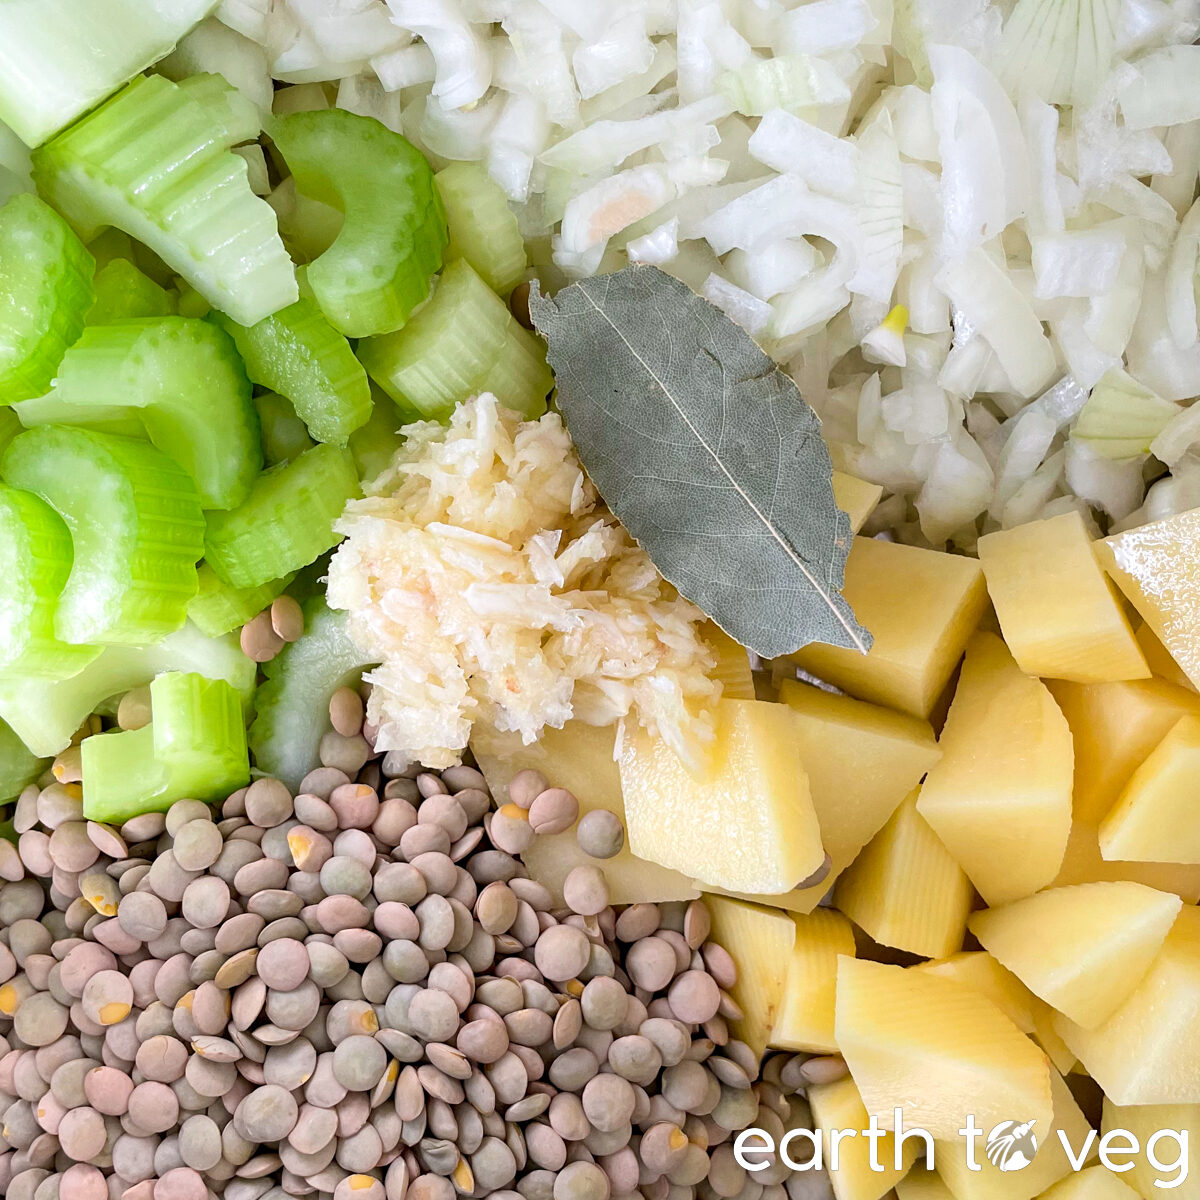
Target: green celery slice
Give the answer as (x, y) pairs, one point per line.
(35, 563)
(375, 444)
(297, 353)
(293, 703)
(287, 520)
(59, 58)
(135, 522)
(463, 342)
(45, 293)
(218, 608)
(123, 293)
(19, 766)
(155, 161)
(177, 378)
(46, 713)
(380, 265)
(121, 776)
(483, 229)
(284, 435)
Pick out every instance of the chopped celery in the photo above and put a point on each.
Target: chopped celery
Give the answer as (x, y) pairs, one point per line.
(10, 426)
(380, 265)
(46, 713)
(297, 353)
(307, 226)
(155, 161)
(194, 746)
(59, 58)
(483, 229)
(123, 292)
(19, 766)
(293, 703)
(35, 563)
(218, 608)
(375, 444)
(45, 293)
(284, 435)
(287, 520)
(182, 381)
(135, 522)
(463, 342)
(109, 245)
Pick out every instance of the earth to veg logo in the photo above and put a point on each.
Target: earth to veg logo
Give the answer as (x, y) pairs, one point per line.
(1010, 1146)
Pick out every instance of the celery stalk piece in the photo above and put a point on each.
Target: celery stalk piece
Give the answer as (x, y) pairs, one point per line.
(463, 342)
(155, 161)
(483, 229)
(287, 520)
(297, 353)
(293, 703)
(45, 293)
(35, 563)
(59, 58)
(218, 608)
(179, 380)
(46, 713)
(375, 444)
(124, 293)
(284, 435)
(10, 426)
(135, 522)
(19, 767)
(380, 265)
(121, 776)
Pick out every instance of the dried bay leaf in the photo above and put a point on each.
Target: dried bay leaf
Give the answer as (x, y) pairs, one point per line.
(707, 453)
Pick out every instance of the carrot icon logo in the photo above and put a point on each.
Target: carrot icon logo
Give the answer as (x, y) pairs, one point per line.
(1010, 1146)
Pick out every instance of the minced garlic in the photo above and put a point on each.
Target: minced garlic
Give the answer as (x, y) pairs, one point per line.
(501, 596)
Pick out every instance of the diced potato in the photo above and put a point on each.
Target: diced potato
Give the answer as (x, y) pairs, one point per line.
(761, 941)
(806, 1018)
(936, 1049)
(1083, 863)
(905, 890)
(1000, 797)
(1062, 617)
(1157, 566)
(923, 1184)
(1155, 1123)
(838, 1106)
(748, 824)
(1082, 949)
(855, 497)
(1046, 1036)
(1148, 1051)
(1115, 726)
(733, 664)
(978, 969)
(579, 757)
(921, 606)
(1050, 1164)
(1154, 819)
(1093, 1183)
(1158, 657)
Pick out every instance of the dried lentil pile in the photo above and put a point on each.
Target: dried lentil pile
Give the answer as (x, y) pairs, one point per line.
(357, 993)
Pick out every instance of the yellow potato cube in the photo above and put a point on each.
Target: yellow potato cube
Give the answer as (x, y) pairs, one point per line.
(921, 606)
(855, 497)
(1083, 863)
(1148, 1051)
(978, 969)
(1115, 726)
(1046, 1036)
(922, 1184)
(732, 668)
(1158, 657)
(838, 1108)
(1000, 797)
(905, 890)
(748, 824)
(579, 758)
(1157, 566)
(1156, 1127)
(936, 1049)
(1093, 1183)
(1082, 949)
(1049, 1165)
(1154, 820)
(1061, 615)
(761, 941)
(806, 1018)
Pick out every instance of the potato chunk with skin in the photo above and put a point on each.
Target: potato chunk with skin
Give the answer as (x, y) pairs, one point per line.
(1146, 1122)
(1154, 819)
(806, 1017)
(1082, 949)
(746, 825)
(1062, 617)
(905, 890)
(1083, 863)
(936, 1049)
(1000, 797)
(1148, 1051)
(921, 606)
